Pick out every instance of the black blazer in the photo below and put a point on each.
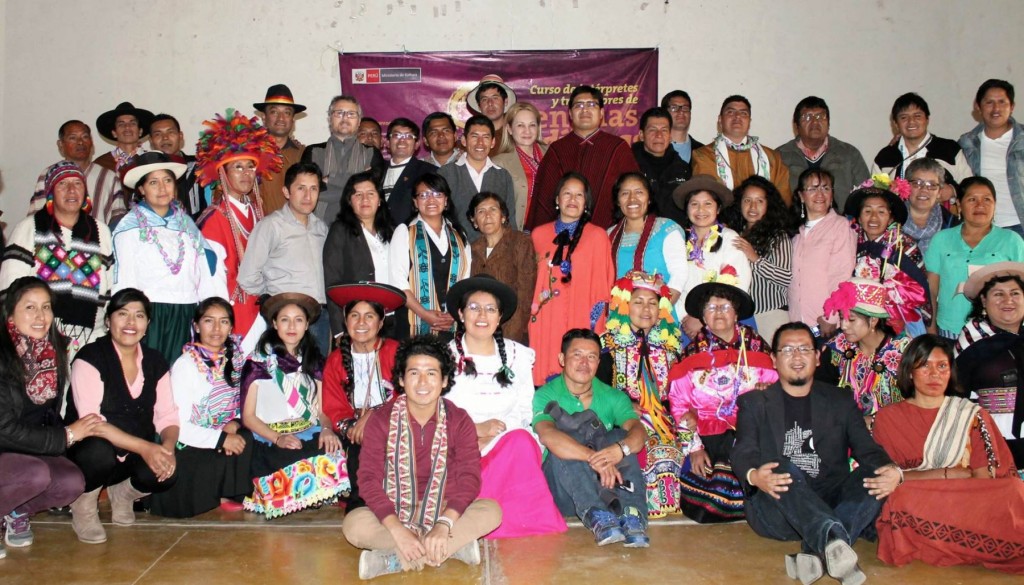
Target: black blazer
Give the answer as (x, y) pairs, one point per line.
(838, 428)
(346, 260)
(400, 199)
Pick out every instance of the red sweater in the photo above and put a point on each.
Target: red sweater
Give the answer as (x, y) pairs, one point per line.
(463, 483)
(337, 404)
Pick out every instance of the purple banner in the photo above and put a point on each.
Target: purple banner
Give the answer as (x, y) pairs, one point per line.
(412, 85)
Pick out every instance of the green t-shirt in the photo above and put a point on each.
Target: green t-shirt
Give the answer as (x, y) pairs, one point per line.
(612, 406)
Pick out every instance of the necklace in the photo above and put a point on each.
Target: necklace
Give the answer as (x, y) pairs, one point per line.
(147, 233)
(584, 393)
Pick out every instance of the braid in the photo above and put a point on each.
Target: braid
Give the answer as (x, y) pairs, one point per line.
(345, 346)
(504, 375)
(230, 375)
(464, 365)
(573, 243)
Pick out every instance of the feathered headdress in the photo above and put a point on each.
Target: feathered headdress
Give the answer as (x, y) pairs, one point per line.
(234, 137)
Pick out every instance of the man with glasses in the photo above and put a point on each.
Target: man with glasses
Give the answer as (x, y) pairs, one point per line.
(278, 110)
(678, 104)
(792, 455)
(597, 155)
(475, 172)
(342, 155)
(403, 168)
(995, 149)
(659, 163)
(813, 148)
(439, 133)
(736, 155)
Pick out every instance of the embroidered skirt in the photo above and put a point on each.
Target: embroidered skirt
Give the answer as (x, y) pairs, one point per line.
(289, 480)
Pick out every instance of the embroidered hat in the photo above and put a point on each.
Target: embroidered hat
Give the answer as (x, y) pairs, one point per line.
(855, 204)
(278, 95)
(702, 183)
(492, 79)
(107, 120)
(57, 172)
(234, 137)
(148, 162)
(977, 281)
(895, 299)
(700, 294)
(486, 283)
(271, 305)
(384, 295)
(619, 332)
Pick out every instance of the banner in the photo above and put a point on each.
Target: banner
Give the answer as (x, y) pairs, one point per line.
(412, 85)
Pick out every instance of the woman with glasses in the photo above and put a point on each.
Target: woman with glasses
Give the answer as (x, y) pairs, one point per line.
(925, 216)
(724, 360)
(428, 256)
(233, 152)
(824, 252)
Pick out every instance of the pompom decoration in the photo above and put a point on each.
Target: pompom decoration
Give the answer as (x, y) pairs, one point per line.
(233, 137)
(58, 172)
(618, 330)
(901, 187)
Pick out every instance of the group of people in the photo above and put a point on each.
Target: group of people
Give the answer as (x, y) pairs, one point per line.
(507, 333)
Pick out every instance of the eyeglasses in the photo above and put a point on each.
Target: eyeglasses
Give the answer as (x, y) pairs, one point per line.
(344, 114)
(424, 195)
(818, 189)
(790, 351)
(478, 308)
(683, 109)
(585, 105)
(713, 308)
(925, 185)
(403, 135)
(815, 117)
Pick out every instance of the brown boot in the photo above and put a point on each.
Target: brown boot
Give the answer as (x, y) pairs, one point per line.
(122, 500)
(85, 518)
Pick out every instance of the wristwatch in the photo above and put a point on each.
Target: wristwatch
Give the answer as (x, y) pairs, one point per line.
(625, 448)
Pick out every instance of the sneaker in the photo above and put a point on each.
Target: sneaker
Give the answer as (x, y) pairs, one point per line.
(841, 563)
(374, 563)
(604, 525)
(805, 567)
(18, 532)
(469, 553)
(632, 525)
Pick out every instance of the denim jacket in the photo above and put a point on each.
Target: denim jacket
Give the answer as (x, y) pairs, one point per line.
(971, 143)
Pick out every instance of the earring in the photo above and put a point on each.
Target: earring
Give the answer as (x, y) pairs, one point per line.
(556, 206)
(803, 209)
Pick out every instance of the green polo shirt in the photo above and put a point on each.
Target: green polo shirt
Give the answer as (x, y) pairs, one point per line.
(612, 407)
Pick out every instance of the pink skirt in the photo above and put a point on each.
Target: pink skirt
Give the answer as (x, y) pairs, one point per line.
(511, 474)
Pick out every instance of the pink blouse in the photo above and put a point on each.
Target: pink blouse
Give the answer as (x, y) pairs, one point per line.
(87, 388)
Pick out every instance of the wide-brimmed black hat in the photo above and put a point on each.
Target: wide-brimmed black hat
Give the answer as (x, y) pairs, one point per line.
(482, 282)
(699, 295)
(105, 123)
(855, 203)
(273, 304)
(384, 295)
(278, 95)
(702, 183)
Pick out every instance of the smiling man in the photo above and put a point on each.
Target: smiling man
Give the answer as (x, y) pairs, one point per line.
(475, 172)
(659, 162)
(403, 168)
(126, 125)
(736, 155)
(814, 148)
(285, 249)
(278, 111)
(492, 98)
(995, 149)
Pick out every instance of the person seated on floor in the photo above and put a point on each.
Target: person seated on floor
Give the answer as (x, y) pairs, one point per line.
(494, 385)
(34, 474)
(214, 451)
(127, 384)
(592, 434)
(297, 460)
(793, 446)
(421, 472)
(357, 375)
(724, 361)
(935, 435)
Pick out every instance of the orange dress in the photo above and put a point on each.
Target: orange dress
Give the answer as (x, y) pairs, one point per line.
(558, 306)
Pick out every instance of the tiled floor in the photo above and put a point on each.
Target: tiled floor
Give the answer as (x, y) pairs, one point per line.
(308, 548)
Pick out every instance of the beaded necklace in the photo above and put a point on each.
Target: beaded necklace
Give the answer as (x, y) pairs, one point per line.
(148, 234)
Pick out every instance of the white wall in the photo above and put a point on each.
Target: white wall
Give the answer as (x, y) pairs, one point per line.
(61, 60)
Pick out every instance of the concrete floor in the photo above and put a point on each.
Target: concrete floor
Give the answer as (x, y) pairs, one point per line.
(309, 548)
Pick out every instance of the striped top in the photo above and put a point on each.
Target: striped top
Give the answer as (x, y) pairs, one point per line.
(772, 273)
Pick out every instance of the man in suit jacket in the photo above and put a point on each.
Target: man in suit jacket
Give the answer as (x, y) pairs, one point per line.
(475, 172)
(793, 442)
(404, 169)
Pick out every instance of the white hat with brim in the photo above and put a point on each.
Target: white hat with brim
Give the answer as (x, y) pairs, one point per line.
(147, 163)
(471, 97)
(977, 281)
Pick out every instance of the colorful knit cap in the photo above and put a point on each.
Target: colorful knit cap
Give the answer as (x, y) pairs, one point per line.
(235, 137)
(58, 172)
(665, 333)
(895, 299)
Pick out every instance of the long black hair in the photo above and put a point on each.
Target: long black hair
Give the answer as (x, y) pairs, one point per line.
(652, 205)
(466, 365)
(308, 351)
(687, 225)
(383, 224)
(230, 375)
(916, 356)
(778, 221)
(977, 309)
(11, 367)
(584, 219)
(438, 183)
(345, 343)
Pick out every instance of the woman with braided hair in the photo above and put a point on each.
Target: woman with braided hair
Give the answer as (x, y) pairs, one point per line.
(568, 295)
(493, 384)
(357, 375)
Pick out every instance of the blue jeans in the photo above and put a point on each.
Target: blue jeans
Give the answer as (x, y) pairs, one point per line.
(576, 487)
(321, 331)
(815, 519)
